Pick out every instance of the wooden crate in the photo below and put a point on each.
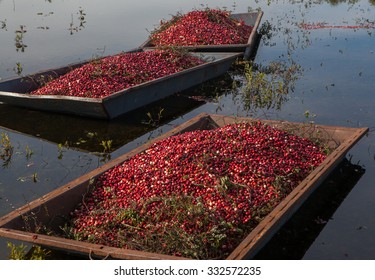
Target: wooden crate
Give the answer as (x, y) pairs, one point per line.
(50, 209)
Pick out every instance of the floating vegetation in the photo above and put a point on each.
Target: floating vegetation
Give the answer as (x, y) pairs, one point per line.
(6, 149)
(18, 69)
(20, 33)
(265, 87)
(3, 24)
(324, 25)
(22, 252)
(82, 20)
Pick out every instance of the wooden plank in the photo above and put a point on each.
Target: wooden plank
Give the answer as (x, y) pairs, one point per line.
(83, 247)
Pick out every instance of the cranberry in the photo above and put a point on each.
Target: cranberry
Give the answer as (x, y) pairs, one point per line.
(111, 74)
(202, 189)
(206, 27)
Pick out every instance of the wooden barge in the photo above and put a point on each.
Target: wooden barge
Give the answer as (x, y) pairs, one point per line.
(15, 91)
(252, 19)
(49, 210)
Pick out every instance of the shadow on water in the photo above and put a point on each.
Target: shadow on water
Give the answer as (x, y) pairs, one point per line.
(88, 134)
(296, 236)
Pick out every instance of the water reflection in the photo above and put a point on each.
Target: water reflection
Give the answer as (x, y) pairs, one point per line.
(88, 135)
(265, 87)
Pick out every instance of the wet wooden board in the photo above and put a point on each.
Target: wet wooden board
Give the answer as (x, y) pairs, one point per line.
(50, 209)
(252, 19)
(15, 91)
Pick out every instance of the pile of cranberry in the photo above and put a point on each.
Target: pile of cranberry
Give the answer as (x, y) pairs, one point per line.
(206, 27)
(111, 74)
(204, 189)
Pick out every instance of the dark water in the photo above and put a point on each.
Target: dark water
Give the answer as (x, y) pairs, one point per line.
(331, 82)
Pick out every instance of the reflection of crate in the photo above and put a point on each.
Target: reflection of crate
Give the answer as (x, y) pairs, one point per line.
(14, 91)
(50, 209)
(251, 19)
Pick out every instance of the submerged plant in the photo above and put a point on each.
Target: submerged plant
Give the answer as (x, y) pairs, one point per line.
(18, 69)
(22, 252)
(61, 149)
(155, 121)
(33, 177)
(265, 87)
(29, 152)
(81, 17)
(6, 149)
(20, 45)
(107, 145)
(3, 24)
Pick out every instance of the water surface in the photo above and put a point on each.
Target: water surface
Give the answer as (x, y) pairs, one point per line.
(334, 85)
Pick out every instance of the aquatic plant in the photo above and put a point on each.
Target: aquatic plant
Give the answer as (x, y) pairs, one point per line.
(6, 149)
